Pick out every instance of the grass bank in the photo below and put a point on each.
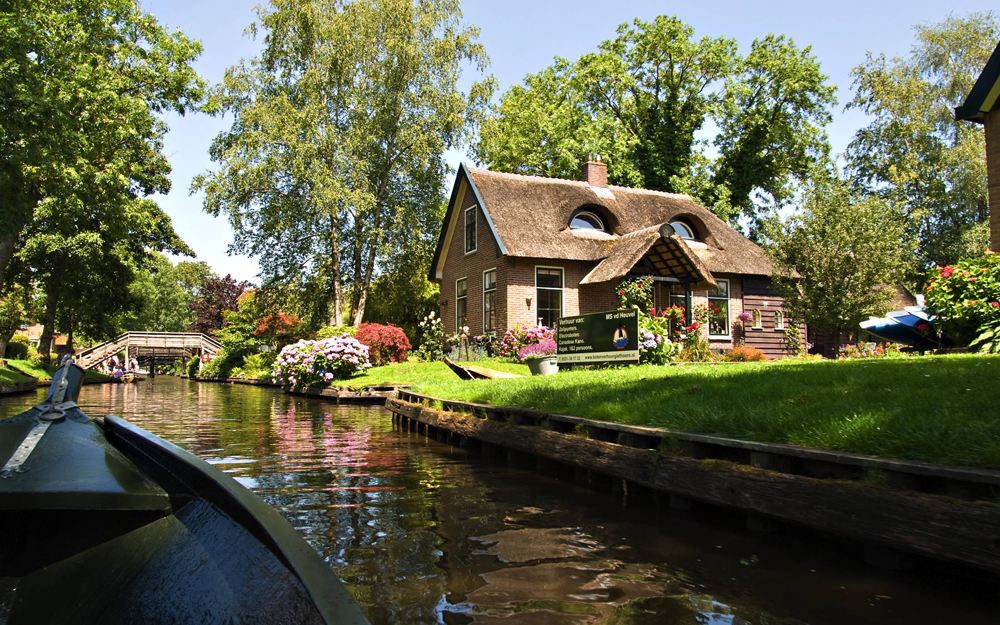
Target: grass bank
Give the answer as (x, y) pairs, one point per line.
(421, 372)
(9, 378)
(940, 409)
(43, 372)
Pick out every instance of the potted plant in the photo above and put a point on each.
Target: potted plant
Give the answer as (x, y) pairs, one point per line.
(540, 357)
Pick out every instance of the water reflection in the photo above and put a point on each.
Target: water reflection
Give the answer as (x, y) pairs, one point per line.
(425, 533)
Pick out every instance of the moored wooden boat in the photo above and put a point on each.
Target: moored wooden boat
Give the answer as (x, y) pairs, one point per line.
(103, 522)
(474, 372)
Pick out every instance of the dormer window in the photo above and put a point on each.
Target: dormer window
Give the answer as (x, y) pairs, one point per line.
(587, 220)
(684, 230)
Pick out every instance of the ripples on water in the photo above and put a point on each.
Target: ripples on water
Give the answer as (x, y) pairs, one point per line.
(425, 533)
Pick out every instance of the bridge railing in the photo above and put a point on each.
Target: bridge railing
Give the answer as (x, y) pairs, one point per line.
(179, 341)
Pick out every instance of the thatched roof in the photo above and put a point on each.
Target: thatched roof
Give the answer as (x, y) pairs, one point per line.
(531, 218)
(668, 255)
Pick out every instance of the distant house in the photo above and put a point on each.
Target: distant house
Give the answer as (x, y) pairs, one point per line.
(524, 249)
(34, 334)
(983, 107)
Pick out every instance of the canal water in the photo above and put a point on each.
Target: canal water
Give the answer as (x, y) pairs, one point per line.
(422, 532)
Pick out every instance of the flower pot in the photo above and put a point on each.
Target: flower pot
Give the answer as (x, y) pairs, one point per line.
(543, 365)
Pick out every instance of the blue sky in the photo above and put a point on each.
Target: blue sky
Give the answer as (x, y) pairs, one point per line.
(521, 37)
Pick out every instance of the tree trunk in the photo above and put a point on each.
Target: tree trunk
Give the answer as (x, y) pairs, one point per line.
(358, 262)
(336, 306)
(8, 242)
(3, 348)
(48, 321)
(362, 286)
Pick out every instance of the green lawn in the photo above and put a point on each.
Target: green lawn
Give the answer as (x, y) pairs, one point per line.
(9, 378)
(43, 372)
(941, 409)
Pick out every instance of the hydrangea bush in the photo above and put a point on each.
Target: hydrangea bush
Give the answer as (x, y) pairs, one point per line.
(522, 336)
(309, 363)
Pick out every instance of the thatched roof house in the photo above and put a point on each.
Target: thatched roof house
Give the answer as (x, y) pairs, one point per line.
(522, 249)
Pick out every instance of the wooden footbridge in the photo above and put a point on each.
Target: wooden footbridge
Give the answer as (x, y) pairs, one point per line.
(150, 347)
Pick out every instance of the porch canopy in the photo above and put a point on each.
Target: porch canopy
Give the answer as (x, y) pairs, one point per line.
(668, 255)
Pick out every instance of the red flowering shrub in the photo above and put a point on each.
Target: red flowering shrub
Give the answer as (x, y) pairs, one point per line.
(966, 296)
(279, 329)
(635, 292)
(386, 343)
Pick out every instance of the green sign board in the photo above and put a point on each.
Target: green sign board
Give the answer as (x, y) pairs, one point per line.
(611, 337)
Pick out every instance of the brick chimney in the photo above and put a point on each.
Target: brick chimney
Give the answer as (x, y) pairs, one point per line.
(595, 173)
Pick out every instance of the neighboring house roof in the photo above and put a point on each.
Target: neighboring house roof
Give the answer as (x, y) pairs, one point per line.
(985, 94)
(528, 216)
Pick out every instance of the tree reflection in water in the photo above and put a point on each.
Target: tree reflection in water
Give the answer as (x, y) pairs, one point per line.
(427, 533)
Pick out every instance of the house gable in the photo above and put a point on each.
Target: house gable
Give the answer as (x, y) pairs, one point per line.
(464, 186)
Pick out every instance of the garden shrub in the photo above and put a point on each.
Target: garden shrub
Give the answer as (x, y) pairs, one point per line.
(307, 363)
(258, 366)
(744, 353)
(192, 367)
(17, 347)
(432, 339)
(278, 329)
(695, 344)
(329, 332)
(481, 347)
(522, 336)
(655, 346)
(222, 366)
(635, 292)
(869, 350)
(966, 296)
(386, 343)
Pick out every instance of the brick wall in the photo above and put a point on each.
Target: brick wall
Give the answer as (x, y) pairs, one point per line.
(993, 171)
(458, 264)
(521, 288)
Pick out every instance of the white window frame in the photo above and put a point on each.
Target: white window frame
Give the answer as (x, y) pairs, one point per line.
(494, 290)
(562, 291)
(779, 320)
(458, 326)
(729, 312)
(475, 230)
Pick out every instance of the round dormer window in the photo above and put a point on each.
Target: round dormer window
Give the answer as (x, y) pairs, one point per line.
(684, 230)
(587, 220)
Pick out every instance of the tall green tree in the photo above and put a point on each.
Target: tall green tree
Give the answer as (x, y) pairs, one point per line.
(339, 128)
(914, 153)
(81, 87)
(639, 101)
(846, 252)
(165, 293)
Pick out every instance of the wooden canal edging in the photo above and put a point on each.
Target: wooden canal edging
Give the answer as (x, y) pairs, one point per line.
(28, 386)
(894, 508)
(371, 395)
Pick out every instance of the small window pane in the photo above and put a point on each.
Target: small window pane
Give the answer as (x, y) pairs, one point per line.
(682, 229)
(721, 291)
(460, 288)
(470, 229)
(489, 280)
(586, 221)
(549, 306)
(549, 278)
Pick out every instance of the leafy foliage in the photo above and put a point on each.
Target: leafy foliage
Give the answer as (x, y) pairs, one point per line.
(639, 100)
(914, 153)
(635, 293)
(966, 297)
(744, 353)
(82, 87)
(328, 332)
(847, 254)
(278, 329)
(386, 343)
(431, 338)
(335, 154)
(215, 297)
(655, 346)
